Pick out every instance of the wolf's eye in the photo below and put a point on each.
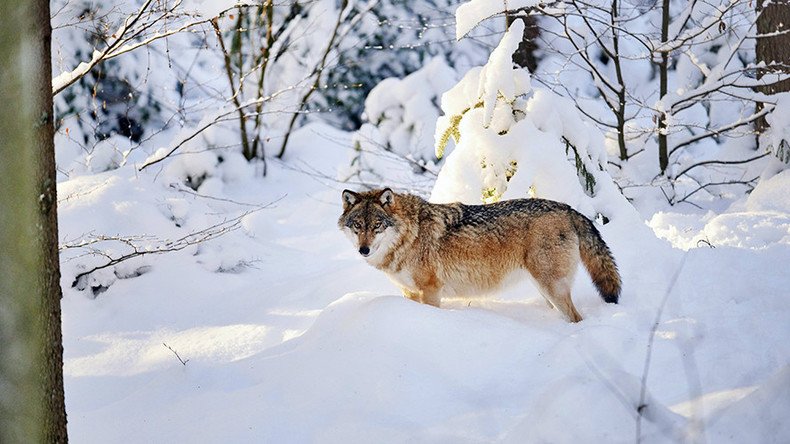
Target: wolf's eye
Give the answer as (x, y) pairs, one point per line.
(377, 225)
(357, 226)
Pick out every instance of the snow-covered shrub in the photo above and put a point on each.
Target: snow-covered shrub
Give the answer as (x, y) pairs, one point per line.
(515, 141)
(283, 64)
(108, 154)
(145, 92)
(206, 163)
(115, 98)
(393, 39)
(400, 118)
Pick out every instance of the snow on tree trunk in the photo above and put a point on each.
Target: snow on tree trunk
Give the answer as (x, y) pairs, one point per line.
(525, 54)
(774, 22)
(774, 49)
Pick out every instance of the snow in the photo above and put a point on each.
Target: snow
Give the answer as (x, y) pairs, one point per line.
(307, 343)
(779, 132)
(400, 123)
(209, 8)
(471, 13)
(107, 154)
(247, 317)
(761, 220)
(498, 77)
(522, 137)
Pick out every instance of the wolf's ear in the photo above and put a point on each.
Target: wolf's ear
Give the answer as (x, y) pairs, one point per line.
(349, 198)
(386, 197)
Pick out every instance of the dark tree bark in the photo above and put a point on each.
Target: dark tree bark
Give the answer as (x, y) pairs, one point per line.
(615, 55)
(52, 371)
(32, 407)
(525, 54)
(774, 50)
(663, 70)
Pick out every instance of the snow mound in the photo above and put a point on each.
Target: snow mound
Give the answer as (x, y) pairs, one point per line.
(276, 354)
(385, 369)
(759, 220)
(768, 404)
(771, 194)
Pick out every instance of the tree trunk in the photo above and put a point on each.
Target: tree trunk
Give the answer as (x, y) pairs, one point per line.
(773, 50)
(663, 69)
(32, 407)
(525, 53)
(618, 68)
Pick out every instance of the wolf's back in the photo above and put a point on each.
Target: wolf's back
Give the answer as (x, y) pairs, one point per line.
(597, 258)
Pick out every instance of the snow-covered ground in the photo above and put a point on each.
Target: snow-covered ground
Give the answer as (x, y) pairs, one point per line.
(288, 336)
(240, 313)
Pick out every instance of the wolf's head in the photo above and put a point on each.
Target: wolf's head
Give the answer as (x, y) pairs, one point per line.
(368, 222)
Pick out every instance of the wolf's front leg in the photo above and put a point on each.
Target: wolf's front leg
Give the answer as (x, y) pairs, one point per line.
(429, 286)
(431, 297)
(422, 297)
(413, 295)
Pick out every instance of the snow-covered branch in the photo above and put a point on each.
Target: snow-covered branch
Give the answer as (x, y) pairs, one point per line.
(209, 121)
(131, 35)
(471, 13)
(138, 246)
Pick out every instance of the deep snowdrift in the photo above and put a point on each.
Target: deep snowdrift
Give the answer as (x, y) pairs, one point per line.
(290, 337)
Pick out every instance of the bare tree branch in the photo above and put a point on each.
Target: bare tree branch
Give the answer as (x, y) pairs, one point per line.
(123, 39)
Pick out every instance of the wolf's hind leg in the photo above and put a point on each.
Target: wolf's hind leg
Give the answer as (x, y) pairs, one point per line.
(560, 298)
(553, 270)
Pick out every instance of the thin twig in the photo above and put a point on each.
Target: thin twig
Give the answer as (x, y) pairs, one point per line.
(711, 184)
(183, 362)
(721, 162)
(167, 246)
(218, 118)
(245, 143)
(318, 71)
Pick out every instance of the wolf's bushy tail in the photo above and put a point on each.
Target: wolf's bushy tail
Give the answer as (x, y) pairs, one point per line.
(597, 258)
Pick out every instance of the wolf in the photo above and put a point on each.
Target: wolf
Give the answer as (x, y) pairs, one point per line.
(434, 250)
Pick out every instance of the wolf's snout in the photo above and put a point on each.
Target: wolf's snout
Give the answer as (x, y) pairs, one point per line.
(364, 251)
